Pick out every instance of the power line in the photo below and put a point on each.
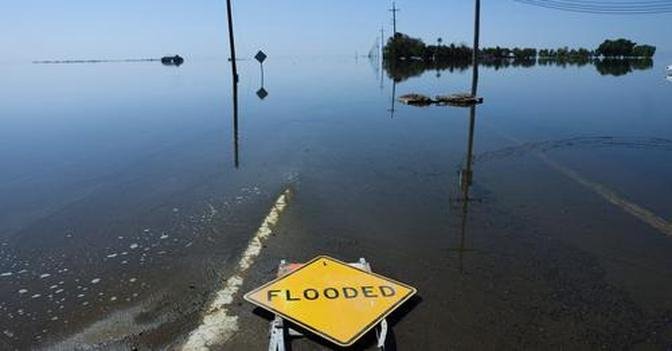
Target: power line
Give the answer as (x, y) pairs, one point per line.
(604, 7)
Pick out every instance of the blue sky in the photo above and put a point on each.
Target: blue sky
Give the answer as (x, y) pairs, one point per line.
(47, 29)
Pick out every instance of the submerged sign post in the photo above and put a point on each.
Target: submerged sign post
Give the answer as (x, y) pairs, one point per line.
(332, 299)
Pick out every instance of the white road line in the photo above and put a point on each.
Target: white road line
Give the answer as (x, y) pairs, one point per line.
(641, 213)
(633, 209)
(217, 325)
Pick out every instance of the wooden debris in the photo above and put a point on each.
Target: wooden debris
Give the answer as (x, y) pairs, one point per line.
(415, 99)
(462, 99)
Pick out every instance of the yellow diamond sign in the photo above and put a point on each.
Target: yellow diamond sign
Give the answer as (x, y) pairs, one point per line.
(332, 299)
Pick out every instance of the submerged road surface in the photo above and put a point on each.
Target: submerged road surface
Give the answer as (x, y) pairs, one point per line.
(135, 214)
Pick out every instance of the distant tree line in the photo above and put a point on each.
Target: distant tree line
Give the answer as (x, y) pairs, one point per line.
(402, 70)
(402, 47)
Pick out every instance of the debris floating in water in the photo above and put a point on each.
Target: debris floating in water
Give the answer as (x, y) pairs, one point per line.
(416, 99)
(461, 99)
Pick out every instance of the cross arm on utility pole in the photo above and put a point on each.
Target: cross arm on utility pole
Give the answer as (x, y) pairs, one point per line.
(394, 11)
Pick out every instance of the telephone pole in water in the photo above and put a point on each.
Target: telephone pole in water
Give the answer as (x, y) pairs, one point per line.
(477, 34)
(232, 45)
(394, 11)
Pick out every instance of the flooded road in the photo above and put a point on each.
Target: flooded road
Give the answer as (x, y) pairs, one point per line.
(129, 205)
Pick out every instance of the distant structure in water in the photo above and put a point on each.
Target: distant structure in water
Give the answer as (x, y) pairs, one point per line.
(172, 60)
(166, 60)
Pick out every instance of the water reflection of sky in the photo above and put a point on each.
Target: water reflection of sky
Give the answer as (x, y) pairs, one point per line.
(114, 163)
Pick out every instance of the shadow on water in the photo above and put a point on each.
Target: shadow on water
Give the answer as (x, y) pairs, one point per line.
(402, 70)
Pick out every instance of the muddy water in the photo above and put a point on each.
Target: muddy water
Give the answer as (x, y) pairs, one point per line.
(122, 209)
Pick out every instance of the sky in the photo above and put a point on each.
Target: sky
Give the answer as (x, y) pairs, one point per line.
(78, 29)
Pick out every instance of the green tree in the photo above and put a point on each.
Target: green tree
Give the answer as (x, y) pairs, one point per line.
(402, 46)
(616, 48)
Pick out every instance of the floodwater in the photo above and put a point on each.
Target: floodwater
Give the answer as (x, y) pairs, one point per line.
(127, 198)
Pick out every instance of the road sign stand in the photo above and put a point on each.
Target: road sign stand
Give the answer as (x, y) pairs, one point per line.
(280, 331)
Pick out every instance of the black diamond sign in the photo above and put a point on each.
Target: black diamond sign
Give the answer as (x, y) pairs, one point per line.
(260, 56)
(262, 93)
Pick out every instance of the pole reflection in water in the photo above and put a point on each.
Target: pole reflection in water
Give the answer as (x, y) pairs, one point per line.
(465, 181)
(394, 93)
(235, 125)
(467, 174)
(262, 93)
(382, 73)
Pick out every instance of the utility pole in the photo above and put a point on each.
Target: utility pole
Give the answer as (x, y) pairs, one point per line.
(477, 33)
(232, 45)
(394, 11)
